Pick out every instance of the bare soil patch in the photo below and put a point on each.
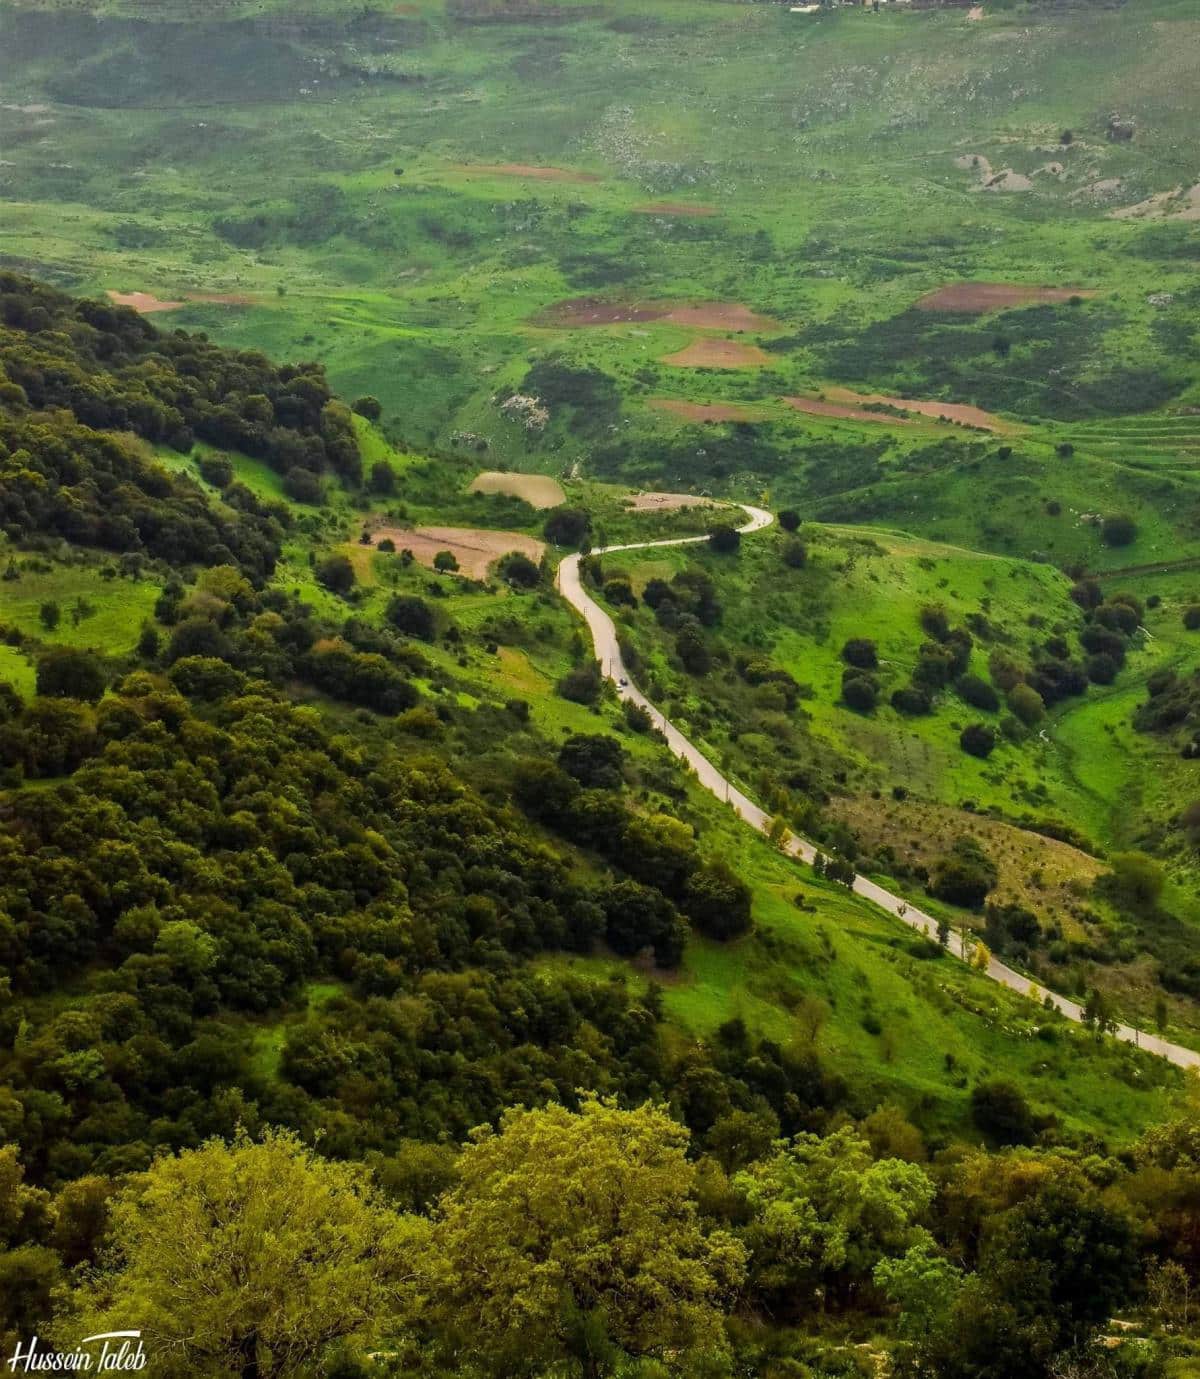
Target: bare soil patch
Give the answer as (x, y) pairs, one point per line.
(710, 353)
(144, 302)
(474, 549)
(818, 407)
(147, 304)
(592, 311)
(981, 297)
(538, 490)
(528, 170)
(667, 502)
(680, 208)
(952, 411)
(704, 411)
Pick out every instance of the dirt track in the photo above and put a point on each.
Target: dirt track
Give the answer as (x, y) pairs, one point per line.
(819, 408)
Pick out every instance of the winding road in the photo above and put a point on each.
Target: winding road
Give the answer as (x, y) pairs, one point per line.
(608, 653)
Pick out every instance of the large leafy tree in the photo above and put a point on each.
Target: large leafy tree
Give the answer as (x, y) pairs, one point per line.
(575, 1235)
(251, 1259)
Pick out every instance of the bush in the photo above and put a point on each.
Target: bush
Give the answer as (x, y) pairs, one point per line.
(412, 615)
(336, 574)
(445, 562)
(912, 700)
(619, 592)
(582, 683)
(1191, 617)
(724, 539)
(717, 901)
(999, 1110)
(1026, 704)
(567, 526)
(383, 477)
(216, 470)
(978, 693)
(795, 554)
(303, 486)
(860, 652)
(977, 739)
(1101, 668)
(789, 519)
(68, 673)
(860, 692)
(1119, 529)
(595, 760)
(369, 407)
(517, 569)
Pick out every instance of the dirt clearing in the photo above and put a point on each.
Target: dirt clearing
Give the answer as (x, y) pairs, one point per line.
(538, 490)
(527, 170)
(981, 297)
(705, 411)
(147, 304)
(474, 549)
(143, 302)
(953, 411)
(718, 354)
(817, 407)
(590, 311)
(667, 502)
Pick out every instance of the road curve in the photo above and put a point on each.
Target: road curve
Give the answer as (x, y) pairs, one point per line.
(608, 653)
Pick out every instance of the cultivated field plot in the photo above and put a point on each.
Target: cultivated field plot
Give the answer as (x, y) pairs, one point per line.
(982, 297)
(475, 550)
(538, 490)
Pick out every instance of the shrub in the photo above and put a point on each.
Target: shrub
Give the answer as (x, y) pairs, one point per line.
(582, 683)
(216, 470)
(336, 574)
(977, 739)
(789, 519)
(412, 615)
(724, 539)
(1191, 617)
(860, 652)
(999, 1110)
(567, 526)
(303, 486)
(383, 477)
(445, 562)
(68, 673)
(1026, 703)
(1102, 668)
(369, 407)
(595, 760)
(1119, 529)
(620, 592)
(795, 554)
(717, 901)
(978, 693)
(935, 622)
(517, 569)
(860, 692)
(912, 700)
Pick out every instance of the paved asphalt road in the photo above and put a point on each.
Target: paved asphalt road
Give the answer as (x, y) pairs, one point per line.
(608, 653)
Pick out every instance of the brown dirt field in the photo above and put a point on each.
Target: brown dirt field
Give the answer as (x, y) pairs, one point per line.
(592, 311)
(704, 411)
(955, 411)
(538, 490)
(709, 353)
(667, 502)
(681, 208)
(819, 408)
(143, 302)
(528, 170)
(923, 833)
(972, 296)
(475, 550)
(147, 304)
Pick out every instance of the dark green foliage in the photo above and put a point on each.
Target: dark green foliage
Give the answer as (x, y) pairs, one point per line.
(336, 573)
(1118, 529)
(691, 647)
(593, 396)
(216, 469)
(789, 519)
(1000, 1110)
(794, 554)
(67, 673)
(965, 876)
(638, 917)
(303, 486)
(582, 684)
(977, 739)
(724, 539)
(593, 759)
(567, 526)
(859, 691)
(518, 570)
(1191, 617)
(978, 693)
(717, 901)
(369, 407)
(411, 615)
(383, 478)
(912, 700)
(860, 652)
(620, 593)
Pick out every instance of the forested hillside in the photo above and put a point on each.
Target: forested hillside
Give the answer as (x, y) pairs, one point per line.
(291, 905)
